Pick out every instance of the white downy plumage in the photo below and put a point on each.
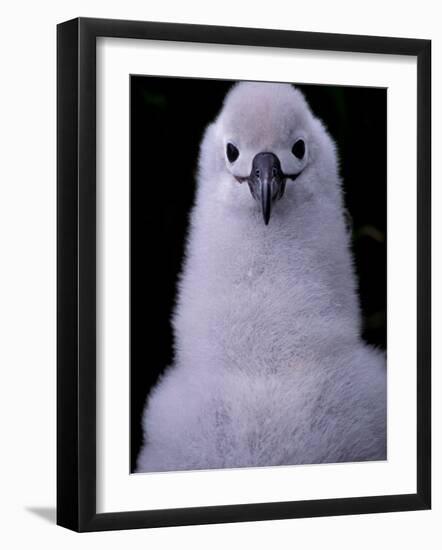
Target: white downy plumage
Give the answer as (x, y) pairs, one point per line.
(269, 364)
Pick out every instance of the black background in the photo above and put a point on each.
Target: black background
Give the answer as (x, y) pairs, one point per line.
(168, 117)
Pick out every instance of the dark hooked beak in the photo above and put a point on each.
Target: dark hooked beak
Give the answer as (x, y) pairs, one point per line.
(266, 182)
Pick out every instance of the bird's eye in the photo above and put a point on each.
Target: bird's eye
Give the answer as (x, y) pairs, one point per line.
(232, 152)
(298, 149)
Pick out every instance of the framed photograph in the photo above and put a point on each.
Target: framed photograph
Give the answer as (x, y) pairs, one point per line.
(243, 274)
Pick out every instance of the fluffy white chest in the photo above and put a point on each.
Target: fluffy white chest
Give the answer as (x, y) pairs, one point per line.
(258, 298)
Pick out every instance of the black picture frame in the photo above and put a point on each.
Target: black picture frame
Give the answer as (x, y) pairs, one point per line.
(76, 273)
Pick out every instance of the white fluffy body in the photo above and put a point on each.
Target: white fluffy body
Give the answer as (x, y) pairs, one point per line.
(269, 364)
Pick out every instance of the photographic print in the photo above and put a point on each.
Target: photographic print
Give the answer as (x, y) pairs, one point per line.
(222, 274)
(257, 273)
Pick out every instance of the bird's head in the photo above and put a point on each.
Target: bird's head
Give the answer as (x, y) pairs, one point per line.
(264, 140)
